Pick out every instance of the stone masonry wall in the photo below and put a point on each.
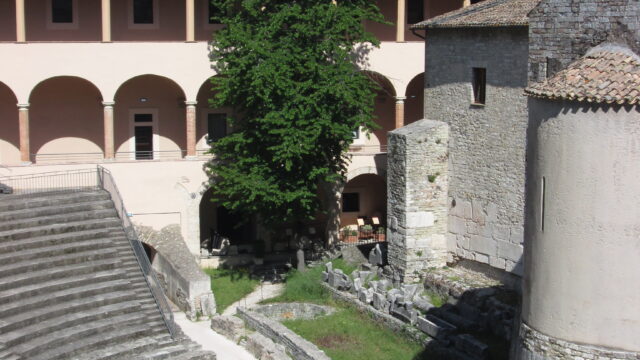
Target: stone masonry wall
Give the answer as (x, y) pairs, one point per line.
(487, 142)
(562, 31)
(417, 198)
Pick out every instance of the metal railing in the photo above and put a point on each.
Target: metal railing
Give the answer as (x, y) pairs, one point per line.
(120, 156)
(71, 180)
(94, 179)
(108, 184)
(367, 149)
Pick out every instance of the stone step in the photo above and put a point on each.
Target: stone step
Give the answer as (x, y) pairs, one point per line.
(45, 275)
(64, 238)
(56, 250)
(125, 350)
(197, 355)
(68, 342)
(55, 210)
(58, 229)
(43, 288)
(59, 315)
(165, 352)
(64, 295)
(38, 263)
(20, 202)
(60, 218)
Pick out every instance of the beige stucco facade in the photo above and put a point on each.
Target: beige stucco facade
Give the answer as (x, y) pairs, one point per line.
(69, 96)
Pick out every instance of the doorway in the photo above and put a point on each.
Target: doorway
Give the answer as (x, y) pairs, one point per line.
(144, 132)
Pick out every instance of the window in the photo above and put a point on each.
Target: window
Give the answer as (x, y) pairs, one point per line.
(479, 85)
(415, 11)
(350, 202)
(356, 133)
(143, 12)
(62, 11)
(216, 127)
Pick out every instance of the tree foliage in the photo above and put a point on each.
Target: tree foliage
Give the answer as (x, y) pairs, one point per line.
(287, 68)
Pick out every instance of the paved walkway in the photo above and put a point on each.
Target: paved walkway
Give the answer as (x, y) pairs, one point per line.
(225, 349)
(201, 333)
(264, 291)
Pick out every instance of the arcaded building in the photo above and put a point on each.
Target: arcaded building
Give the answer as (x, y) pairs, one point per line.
(125, 84)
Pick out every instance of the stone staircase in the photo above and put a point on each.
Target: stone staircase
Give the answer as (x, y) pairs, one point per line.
(71, 287)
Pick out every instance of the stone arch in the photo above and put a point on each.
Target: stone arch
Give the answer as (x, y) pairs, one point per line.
(414, 102)
(366, 189)
(384, 110)
(207, 114)
(10, 134)
(374, 170)
(163, 100)
(66, 120)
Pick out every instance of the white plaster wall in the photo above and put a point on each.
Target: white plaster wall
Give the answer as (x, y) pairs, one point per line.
(157, 194)
(582, 270)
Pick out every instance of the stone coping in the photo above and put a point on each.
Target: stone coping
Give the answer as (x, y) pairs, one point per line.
(293, 311)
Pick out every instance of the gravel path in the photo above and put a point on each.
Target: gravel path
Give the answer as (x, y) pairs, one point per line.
(263, 291)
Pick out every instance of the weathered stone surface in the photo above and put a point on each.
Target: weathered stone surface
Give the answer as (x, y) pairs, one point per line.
(328, 266)
(376, 257)
(487, 167)
(434, 328)
(293, 311)
(422, 304)
(380, 302)
(264, 348)
(410, 291)
(230, 327)
(417, 198)
(299, 348)
(365, 295)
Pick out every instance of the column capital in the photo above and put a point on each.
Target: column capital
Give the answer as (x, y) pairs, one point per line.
(108, 103)
(191, 103)
(400, 99)
(23, 106)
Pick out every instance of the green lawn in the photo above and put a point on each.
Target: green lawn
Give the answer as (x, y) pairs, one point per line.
(346, 334)
(230, 285)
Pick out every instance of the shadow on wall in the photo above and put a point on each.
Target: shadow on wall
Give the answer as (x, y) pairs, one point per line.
(472, 323)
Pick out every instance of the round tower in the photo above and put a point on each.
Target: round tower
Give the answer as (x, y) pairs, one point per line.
(581, 289)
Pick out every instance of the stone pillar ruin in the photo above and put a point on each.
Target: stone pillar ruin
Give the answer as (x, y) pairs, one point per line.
(417, 198)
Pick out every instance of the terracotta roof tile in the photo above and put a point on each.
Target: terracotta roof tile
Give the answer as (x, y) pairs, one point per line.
(607, 74)
(488, 13)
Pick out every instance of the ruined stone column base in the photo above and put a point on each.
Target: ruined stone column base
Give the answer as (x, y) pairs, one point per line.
(534, 345)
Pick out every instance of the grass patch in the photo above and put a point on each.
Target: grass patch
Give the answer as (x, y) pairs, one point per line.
(351, 335)
(305, 286)
(230, 285)
(436, 298)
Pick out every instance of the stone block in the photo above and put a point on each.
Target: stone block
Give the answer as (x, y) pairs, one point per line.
(380, 302)
(393, 294)
(481, 258)
(435, 327)
(365, 296)
(264, 348)
(325, 276)
(472, 346)
(483, 245)
(383, 285)
(420, 219)
(230, 327)
(516, 236)
(478, 213)
(422, 304)
(509, 251)
(376, 257)
(410, 291)
(328, 266)
(357, 285)
(457, 225)
(366, 276)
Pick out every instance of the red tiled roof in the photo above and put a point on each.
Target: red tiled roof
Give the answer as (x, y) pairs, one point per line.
(488, 13)
(607, 74)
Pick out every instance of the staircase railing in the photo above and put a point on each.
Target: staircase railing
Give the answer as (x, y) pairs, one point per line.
(108, 184)
(93, 179)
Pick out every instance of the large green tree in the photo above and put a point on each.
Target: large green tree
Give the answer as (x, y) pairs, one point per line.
(288, 69)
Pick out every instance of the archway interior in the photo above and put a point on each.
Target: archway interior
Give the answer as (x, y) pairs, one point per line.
(414, 104)
(217, 220)
(65, 118)
(10, 134)
(150, 105)
(365, 197)
(384, 111)
(212, 123)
